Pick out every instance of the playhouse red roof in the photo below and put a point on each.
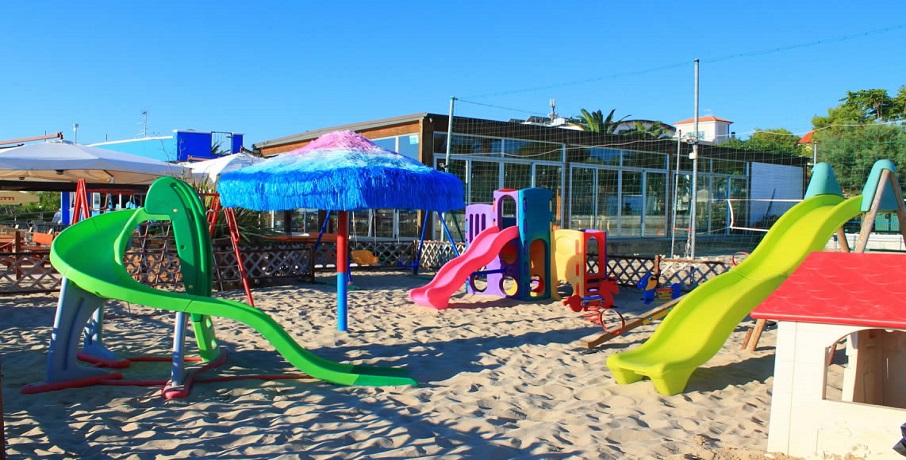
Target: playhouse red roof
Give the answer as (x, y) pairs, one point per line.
(860, 289)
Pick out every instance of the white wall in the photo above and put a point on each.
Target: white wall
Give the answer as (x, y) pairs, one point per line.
(770, 181)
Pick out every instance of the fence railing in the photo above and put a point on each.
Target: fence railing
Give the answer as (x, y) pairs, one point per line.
(152, 260)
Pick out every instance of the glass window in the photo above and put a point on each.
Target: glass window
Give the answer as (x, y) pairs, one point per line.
(485, 178)
(608, 206)
(440, 143)
(473, 145)
(736, 168)
(648, 160)
(605, 156)
(383, 226)
(655, 210)
(582, 203)
(517, 175)
(408, 146)
(388, 143)
(533, 150)
(409, 225)
(632, 203)
(549, 177)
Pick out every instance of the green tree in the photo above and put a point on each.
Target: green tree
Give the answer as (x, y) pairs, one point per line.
(596, 122)
(853, 150)
(777, 140)
(874, 104)
(656, 130)
(898, 111)
(856, 133)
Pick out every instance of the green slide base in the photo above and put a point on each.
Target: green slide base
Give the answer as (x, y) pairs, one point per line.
(90, 254)
(701, 322)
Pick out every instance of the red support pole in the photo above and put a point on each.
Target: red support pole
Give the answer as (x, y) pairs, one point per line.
(213, 211)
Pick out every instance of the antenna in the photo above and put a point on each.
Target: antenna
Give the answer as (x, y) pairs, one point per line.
(75, 133)
(553, 114)
(144, 123)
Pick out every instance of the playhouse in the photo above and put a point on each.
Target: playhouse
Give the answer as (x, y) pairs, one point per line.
(830, 296)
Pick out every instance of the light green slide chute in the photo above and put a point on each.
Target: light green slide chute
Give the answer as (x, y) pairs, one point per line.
(90, 254)
(701, 322)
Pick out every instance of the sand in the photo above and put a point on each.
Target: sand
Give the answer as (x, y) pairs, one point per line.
(498, 379)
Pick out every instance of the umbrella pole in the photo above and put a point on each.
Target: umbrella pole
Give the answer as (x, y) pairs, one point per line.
(342, 268)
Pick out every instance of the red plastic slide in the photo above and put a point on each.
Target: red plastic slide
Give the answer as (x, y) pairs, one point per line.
(455, 273)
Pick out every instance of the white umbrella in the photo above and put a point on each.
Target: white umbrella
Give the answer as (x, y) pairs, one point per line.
(65, 162)
(8, 198)
(210, 170)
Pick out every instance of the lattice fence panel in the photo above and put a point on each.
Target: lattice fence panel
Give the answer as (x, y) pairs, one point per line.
(278, 261)
(27, 272)
(629, 270)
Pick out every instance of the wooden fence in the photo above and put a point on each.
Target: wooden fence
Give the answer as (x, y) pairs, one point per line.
(152, 260)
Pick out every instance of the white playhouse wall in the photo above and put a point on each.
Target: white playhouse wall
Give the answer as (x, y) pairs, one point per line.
(805, 424)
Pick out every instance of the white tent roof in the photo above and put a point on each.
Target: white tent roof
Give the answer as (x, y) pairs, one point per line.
(66, 162)
(210, 170)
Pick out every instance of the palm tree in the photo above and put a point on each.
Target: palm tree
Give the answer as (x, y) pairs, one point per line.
(596, 122)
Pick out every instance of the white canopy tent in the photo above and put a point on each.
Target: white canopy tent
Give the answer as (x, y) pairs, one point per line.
(209, 171)
(62, 162)
(66, 162)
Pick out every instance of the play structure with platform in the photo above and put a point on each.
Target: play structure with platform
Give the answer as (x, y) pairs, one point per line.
(89, 255)
(513, 252)
(508, 247)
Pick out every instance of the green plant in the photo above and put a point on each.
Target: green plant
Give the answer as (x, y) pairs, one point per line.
(253, 227)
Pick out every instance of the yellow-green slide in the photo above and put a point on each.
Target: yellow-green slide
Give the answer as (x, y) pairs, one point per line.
(90, 254)
(701, 322)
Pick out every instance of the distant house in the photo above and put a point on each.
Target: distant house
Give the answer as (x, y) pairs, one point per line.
(183, 145)
(711, 129)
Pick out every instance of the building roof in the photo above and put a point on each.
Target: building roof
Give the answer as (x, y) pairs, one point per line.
(314, 134)
(807, 138)
(859, 289)
(701, 119)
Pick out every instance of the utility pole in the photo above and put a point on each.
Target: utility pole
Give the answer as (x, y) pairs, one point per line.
(694, 157)
(449, 135)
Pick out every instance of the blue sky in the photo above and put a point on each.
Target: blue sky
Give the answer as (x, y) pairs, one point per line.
(271, 69)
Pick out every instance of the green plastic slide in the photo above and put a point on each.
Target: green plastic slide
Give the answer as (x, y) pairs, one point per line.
(90, 254)
(702, 321)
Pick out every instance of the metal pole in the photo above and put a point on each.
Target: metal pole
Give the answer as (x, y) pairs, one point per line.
(447, 156)
(675, 194)
(449, 135)
(694, 157)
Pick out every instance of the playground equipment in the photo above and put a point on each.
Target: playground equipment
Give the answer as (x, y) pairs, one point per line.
(509, 254)
(510, 239)
(89, 255)
(650, 285)
(580, 261)
(842, 295)
(702, 320)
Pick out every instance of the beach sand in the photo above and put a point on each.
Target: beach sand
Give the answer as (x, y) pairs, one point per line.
(499, 379)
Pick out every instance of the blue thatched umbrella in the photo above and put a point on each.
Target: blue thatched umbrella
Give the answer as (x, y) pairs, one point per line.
(341, 171)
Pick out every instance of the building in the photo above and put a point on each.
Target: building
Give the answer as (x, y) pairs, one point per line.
(631, 186)
(183, 145)
(710, 129)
